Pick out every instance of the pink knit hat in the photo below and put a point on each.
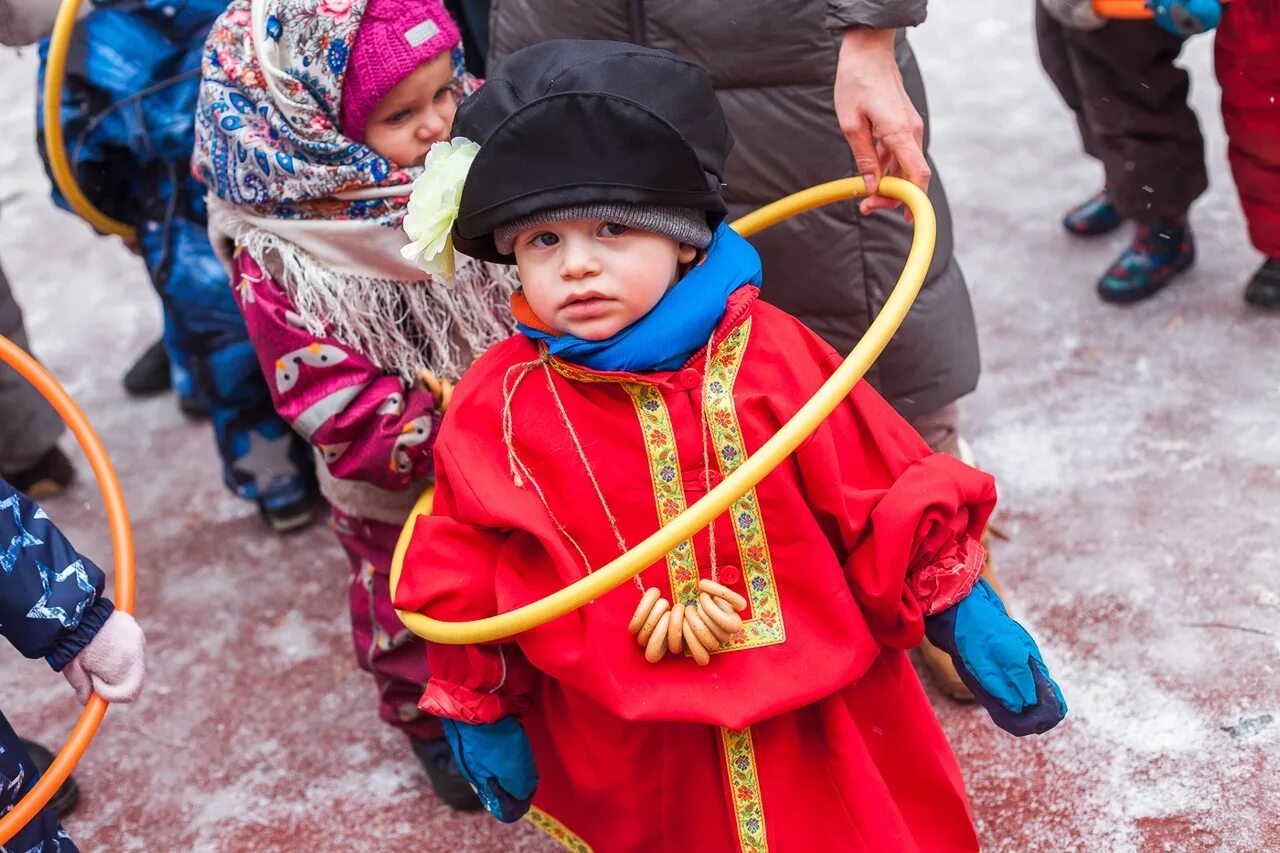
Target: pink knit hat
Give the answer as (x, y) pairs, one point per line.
(395, 37)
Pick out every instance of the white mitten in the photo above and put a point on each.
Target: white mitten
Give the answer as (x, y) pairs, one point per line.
(1074, 14)
(113, 664)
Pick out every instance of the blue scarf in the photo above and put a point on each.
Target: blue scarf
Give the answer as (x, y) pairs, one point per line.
(679, 325)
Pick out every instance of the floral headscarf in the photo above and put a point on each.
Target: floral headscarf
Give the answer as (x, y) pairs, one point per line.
(321, 211)
(267, 132)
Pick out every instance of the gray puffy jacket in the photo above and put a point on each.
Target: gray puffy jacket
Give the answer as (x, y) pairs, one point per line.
(773, 64)
(27, 21)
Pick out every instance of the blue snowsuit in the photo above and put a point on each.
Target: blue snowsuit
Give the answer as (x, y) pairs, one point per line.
(128, 107)
(51, 606)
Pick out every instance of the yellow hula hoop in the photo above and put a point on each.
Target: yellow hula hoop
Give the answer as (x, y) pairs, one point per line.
(751, 472)
(55, 145)
(122, 545)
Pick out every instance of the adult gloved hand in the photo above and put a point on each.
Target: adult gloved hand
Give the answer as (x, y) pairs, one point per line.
(1074, 14)
(1186, 17)
(112, 665)
(997, 660)
(498, 762)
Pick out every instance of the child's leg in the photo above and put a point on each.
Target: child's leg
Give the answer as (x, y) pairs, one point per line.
(1131, 100)
(17, 776)
(394, 656)
(30, 427)
(262, 458)
(1055, 59)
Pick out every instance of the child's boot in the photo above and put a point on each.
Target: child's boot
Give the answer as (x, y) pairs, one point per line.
(1263, 289)
(1093, 216)
(442, 770)
(1160, 250)
(944, 672)
(64, 800)
(48, 477)
(288, 504)
(150, 374)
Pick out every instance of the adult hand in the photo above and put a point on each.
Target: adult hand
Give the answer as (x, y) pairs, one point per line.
(883, 129)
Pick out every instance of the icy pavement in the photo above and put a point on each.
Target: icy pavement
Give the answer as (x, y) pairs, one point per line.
(1136, 449)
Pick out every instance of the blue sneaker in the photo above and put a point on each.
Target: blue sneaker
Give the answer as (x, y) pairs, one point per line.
(289, 504)
(1160, 251)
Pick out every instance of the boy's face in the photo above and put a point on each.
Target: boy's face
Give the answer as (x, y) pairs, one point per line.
(591, 279)
(416, 113)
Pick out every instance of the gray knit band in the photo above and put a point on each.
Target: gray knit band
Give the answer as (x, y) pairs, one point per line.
(685, 225)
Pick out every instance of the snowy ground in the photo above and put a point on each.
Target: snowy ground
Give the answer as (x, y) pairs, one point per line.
(1136, 449)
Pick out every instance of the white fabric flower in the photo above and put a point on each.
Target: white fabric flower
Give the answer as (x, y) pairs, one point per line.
(433, 206)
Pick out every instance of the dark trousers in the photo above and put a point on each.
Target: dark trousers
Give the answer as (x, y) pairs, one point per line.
(1130, 102)
(29, 426)
(17, 776)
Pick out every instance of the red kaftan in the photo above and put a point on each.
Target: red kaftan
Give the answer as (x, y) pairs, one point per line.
(807, 731)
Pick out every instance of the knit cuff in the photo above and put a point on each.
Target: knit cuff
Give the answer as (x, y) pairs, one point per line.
(685, 225)
(91, 621)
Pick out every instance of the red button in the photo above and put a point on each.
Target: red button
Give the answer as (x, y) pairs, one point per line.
(729, 575)
(690, 378)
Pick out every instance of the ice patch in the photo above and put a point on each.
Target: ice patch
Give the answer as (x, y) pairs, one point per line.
(294, 638)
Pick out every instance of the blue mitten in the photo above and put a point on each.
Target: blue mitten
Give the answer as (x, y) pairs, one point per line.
(997, 659)
(498, 762)
(1186, 17)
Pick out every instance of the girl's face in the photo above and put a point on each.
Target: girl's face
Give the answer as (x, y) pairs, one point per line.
(591, 278)
(416, 113)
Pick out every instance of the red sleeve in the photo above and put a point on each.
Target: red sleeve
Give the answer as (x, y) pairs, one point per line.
(368, 424)
(448, 574)
(905, 520)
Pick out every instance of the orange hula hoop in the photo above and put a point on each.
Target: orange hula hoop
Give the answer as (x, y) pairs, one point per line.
(1124, 10)
(122, 546)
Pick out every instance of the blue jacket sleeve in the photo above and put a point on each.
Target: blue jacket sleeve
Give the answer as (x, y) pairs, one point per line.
(51, 602)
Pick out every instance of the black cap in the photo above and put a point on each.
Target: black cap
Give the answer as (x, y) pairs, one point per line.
(571, 122)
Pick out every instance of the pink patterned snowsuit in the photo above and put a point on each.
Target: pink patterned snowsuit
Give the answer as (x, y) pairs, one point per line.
(374, 433)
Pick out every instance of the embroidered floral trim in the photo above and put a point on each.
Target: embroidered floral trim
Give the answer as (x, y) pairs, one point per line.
(574, 373)
(744, 788)
(557, 831)
(765, 627)
(668, 486)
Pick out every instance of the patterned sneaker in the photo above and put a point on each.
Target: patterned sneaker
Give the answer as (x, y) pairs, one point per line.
(1094, 216)
(49, 477)
(1159, 251)
(1263, 289)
